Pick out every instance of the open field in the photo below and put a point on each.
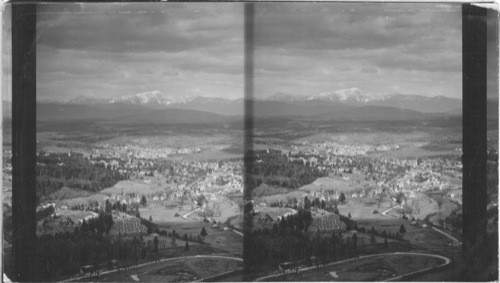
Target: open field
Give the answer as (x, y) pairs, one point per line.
(68, 193)
(372, 138)
(60, 222)
(181, 269)
(415, 152)
(332, 184)
(426, 237)
(175, 140)
(225, 240)
(372, 268)
(210, 155)
(162, 214)
(132, 187)
(98, 197)
(228, 241)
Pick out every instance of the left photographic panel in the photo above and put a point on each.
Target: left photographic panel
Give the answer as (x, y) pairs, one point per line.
(139, 142)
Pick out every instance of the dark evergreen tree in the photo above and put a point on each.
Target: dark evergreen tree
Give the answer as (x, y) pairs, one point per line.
(203, 232)
(402, 229)
(155, 244)
(108, 206)
(143, 200)
(307, 204)
(342, 198)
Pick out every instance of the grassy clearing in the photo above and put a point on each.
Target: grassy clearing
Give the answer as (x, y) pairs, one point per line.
(68, 193)
(175, 270)
(132, 187)
(370, 269)
(332, 184)
(82, 200)
(162, 214)
(224, 240)
(373, 138)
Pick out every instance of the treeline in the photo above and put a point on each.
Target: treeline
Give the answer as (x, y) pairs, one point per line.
(100, 225)
(63, 254)
(174, 236)
(273, 168)
(53, 171)
(44, 212)
(396, 235)
(269, 248)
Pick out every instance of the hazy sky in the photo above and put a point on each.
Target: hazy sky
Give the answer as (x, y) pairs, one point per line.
(109, 50)
(378, 48)
(115, 50)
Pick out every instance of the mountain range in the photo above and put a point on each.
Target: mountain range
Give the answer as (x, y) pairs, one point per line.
(222, 106)
(158, 107)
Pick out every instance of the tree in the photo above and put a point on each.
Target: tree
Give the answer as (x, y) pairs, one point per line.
(354, 241)
(307, 203)
(151, 218)
(143, 200)
(186, 247)
(342, 198)
(203, 232)
(349, 215)
(155, 244)
(400, 197)
(137, 213)
(386, 245)
(402, 229)
(372, 239)
(171, 171)
(108, 206)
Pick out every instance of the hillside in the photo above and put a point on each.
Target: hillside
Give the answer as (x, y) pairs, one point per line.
(373, 113)
(122, 113)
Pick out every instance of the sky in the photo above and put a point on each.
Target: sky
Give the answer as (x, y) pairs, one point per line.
(306, 49)
(183, 49)
(113, 50)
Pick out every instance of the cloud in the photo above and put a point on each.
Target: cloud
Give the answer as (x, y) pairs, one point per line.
(120, 49)
(339, 45)
(117, 28)
(369, 70)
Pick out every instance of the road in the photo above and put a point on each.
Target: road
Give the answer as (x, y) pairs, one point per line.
(384, 213)
(154, 262)
(449, 236)
(447, 261)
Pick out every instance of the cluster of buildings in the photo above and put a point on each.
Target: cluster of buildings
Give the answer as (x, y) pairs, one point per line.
(410, 176)
(336, 149)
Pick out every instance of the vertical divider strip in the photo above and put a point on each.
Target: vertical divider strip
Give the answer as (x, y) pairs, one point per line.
(24, 140)
(248, 133)
(474, 42)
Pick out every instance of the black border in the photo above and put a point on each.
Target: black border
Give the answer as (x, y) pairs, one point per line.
(24, 140)
(24, 131)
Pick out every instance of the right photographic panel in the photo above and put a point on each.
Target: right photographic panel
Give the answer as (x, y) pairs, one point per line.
(357, 142)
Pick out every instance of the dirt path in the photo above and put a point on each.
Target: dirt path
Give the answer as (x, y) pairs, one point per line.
(447, 261)
(154, 262)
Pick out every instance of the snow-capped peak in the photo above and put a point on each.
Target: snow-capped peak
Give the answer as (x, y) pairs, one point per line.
(348, 95)
(155, 97)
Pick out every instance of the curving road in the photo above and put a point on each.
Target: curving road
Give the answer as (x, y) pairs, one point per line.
(155, 262)
(384, 213)
(449, 236)
(447, 261)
